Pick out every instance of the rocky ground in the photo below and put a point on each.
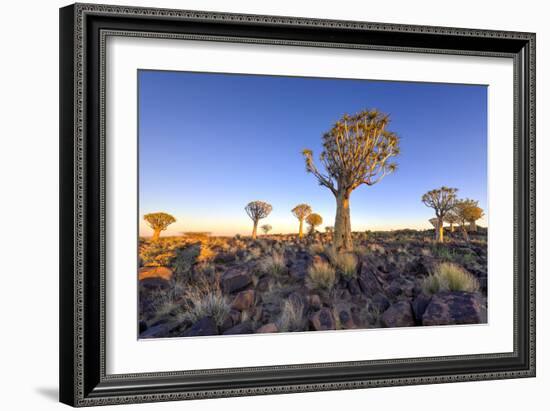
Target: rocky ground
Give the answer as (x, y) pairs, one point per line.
(198, 285)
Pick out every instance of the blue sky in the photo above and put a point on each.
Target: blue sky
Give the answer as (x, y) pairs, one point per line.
(211, 143)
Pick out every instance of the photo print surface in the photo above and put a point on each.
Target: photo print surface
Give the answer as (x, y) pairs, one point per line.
(274, 204)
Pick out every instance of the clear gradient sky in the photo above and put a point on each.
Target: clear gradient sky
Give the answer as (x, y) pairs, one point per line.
(211, 143)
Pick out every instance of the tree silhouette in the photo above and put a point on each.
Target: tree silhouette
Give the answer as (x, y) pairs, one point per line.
(158, 222)
(442, 200)
(266, 228)
(356, 150)
(301, 211)
(257, 210)
(314, 220)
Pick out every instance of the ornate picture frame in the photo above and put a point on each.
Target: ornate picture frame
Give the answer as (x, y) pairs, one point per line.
(84, 29)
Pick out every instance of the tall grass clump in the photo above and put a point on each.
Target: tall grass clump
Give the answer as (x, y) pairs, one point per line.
(274, 264)
(292, 316)
(347, 265)
(449, 277)
(321, 275)
(205, 299)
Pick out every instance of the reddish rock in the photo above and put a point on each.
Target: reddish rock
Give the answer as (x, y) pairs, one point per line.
(456, 307)
(235, 280)
(315, 302)
(399, 314)
(243, 300)
(322, 320)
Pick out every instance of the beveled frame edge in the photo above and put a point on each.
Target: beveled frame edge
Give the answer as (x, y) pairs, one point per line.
(73, 196)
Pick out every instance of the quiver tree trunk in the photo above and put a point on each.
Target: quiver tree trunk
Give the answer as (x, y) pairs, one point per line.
(452, 227)
(255, 229)
(156, 234)
(342, 225)
(301, 229)
(464, 232)
(439, 230)
(473, 227)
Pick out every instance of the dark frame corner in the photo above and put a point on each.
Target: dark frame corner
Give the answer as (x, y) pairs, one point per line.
(83, 381)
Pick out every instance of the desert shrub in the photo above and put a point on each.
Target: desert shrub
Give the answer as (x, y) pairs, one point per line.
(361, 251)
(331, 253)
(316, 248)
(205, 299)
(442, 253)
(292, 316)
(205, 254)
(347, 265)
(273, 264)
(320, 275)
(377, 248)
(184, 259)
(449, 277)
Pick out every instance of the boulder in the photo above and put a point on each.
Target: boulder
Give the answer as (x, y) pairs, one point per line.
(346, 319)
(243, 300)
(242, 328)
(368, 281)
(315, 302)
(204, 326)
(457, 307)
(419, 305)
(268, 328)
(159, 330)
(298, 269)
(235, 280)
(398, 315)
(322, 320)
(224, 258)
(353, 287)
(380, 302)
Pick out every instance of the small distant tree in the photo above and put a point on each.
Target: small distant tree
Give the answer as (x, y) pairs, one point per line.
(452, 218)
(158, 222)
(442, 200)
(257, 210)
(357, 150)
(301, 211)
(329, 229)
(314, 220)
(472, 214)
(266, 228)
(463, 210)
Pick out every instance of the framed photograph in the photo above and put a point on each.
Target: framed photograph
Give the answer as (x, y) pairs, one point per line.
(261, 204)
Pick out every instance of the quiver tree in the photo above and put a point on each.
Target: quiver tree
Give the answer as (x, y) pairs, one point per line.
(301, 211)
(266, 228)
(452, 218)
(442, 200)
(257, 210)
(314, 220)
(472, 214)
(435, 223)
(158, 222)
(356, 150)
(463, 209)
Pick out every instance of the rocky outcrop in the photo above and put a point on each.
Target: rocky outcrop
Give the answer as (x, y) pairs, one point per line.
(322, 320)
(235, 280)
(399, 314)
(456, 307)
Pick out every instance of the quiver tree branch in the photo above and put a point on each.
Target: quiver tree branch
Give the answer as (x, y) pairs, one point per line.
(357, 150)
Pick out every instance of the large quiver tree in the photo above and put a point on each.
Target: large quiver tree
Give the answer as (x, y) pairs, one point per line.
(442, 200)
(356, 150)
(158, 222)
(257, 210)
(301, 211)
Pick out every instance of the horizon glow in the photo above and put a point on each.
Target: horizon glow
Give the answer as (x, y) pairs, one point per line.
(211, 143)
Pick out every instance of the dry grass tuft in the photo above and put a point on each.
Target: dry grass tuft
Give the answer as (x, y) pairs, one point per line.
(321, 275)
(450, 277)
